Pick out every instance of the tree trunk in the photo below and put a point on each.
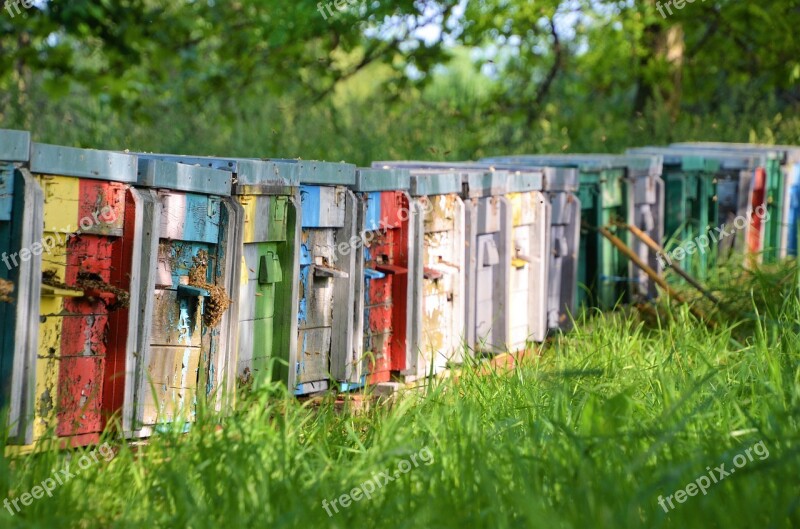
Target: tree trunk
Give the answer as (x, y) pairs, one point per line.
(664, 55)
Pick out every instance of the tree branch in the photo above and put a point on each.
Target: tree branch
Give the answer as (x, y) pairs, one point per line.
(544, 88)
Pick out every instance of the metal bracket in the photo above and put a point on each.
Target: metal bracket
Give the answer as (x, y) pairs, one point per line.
(392, 269)
(369, 273)
(432, 274)
(327, 272)
(49, 291)
(188, 291)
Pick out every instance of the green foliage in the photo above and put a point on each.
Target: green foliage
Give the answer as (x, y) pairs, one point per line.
(267, 78)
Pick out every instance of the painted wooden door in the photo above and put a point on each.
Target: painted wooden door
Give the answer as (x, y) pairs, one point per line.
(774, 223)
(386, 261)
(489, 267)
(645, 211)
(186, 357)
(563, 246)
(83, 227)
(758, 197)
(793, 217)
(267, 275)
(327, 270)
(528, 314)
(443, 286)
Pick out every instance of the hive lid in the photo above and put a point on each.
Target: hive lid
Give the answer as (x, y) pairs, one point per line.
(429, 183)
(248, 171)
(157, 173)
(482, 182)
(15, 145)
(704, 159)
(478, 180)
(650, 163)
(371, 179)
(312, 172)
(524, 180)
(558, 174)
(565, 179)
(84, 163)
(782, 153)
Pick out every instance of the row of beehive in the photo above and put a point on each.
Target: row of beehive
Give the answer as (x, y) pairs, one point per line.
(143, 283)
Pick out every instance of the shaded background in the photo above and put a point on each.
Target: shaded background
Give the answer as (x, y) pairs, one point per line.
(398, 79)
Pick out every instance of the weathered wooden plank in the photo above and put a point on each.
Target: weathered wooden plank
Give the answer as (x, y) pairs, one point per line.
(380, 319)
(221, 382)
(7, 177)
(148, 218)
(479, 182)
(83, 335)
(441, 309)
(46, 403)
(190, 217)
(157, 173)
(257, 296)
(441, 213)
(101, 207)
(15, 145)
(265, 218)
(84, 163)
(175, 367)
(345, 348)
(323, 207)
(316, 293)
(248, 173)
(379, 291)
(80, 390)
(402, 215)
(372, 180)
(29, 215)
(122, 353)
(434, 185)
(62, 203)
(248, 288)
(176, 320)
(244, 368)
(167, 405)
(528, 277)
(313, 355)
(287, 295)
(325, 173)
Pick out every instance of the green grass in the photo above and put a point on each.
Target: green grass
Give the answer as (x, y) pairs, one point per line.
(590, 434)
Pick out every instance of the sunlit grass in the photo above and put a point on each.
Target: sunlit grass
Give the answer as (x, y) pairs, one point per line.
(590, 434)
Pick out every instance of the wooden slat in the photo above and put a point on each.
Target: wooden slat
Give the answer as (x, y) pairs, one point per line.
(344, 316)
(313, 357)
(176, 321)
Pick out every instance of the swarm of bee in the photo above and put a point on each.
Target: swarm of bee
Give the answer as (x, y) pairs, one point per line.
(219, 301)
(90, 282)
(6, 289)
